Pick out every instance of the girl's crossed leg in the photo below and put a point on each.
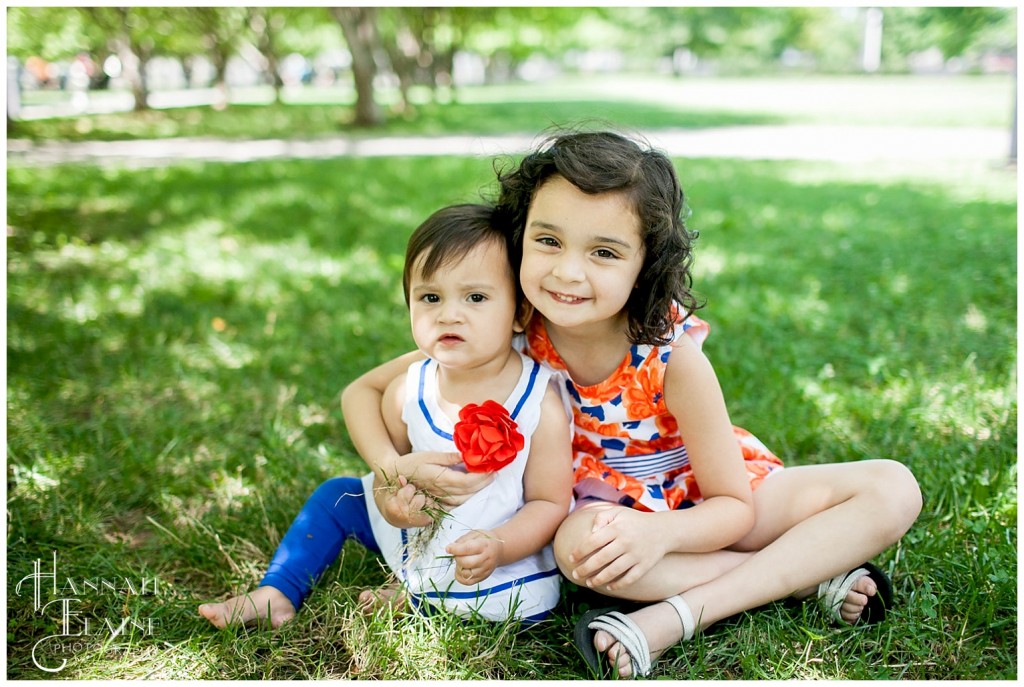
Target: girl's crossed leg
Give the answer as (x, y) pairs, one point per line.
(813, 522)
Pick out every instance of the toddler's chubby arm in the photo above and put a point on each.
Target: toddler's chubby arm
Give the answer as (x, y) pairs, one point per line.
(429, 471)
(397, 499)
(400, 501)
(547, 484)
(625, 543)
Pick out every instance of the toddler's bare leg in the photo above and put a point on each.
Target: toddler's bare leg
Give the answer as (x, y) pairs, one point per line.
(264, 603)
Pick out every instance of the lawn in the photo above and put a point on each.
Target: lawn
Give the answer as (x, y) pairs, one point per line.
(178, 338)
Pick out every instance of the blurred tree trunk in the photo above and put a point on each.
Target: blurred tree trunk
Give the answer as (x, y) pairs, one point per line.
(264, 24)
(219, 58)
(358, 25)
(134, 54)
(871, 45)
(13, 90)
(220, 28)
(424, 46)
(1013, 120)
(134, 60)
(443, 65)
(401, 37)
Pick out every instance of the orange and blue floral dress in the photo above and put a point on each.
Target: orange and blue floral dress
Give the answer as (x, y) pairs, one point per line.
(626, 445)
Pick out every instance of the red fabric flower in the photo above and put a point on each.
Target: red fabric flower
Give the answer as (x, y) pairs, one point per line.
(487, 437)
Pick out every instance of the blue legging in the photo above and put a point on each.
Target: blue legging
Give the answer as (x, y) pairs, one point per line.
(335, 512)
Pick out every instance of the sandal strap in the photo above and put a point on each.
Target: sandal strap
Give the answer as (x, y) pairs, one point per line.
(833, 592)
(629, 635)
(685, 616)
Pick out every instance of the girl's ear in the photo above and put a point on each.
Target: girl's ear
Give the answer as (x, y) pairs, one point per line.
(522, 317)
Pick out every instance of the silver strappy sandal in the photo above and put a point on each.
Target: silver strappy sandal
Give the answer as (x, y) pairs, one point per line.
(627, 633)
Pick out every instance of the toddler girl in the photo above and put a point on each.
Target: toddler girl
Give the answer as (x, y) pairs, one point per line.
(492, 554)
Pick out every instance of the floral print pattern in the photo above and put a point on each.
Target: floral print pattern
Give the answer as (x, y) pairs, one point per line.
(626, 445)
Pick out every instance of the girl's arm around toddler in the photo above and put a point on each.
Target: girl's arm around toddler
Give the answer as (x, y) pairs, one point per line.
(361, 404)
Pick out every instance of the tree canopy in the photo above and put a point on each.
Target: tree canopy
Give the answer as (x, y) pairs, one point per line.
(418, 45)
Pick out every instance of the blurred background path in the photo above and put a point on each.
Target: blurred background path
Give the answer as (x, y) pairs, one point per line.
(785, 142)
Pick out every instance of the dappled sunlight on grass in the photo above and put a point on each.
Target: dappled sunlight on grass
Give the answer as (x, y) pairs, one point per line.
(138, 661)
(807, 310)
(897, 283)
(839, 219)
(229, 491)
(178, 339)
(180, 514)
(213, 353)
(89, 304)
(829, 404)
(419, 648)
(107, 255)
(712, 261)
(958, 405)
(28, 480)
(968, 408)
(974, 319)
(958, 180)
(270, 274)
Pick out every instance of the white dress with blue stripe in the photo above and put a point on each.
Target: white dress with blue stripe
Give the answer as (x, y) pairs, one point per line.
(526, 589)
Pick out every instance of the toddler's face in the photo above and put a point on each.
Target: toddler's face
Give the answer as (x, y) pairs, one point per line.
(463, 315)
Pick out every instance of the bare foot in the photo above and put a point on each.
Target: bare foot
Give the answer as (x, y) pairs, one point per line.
(659, 623)
(857, 599)
(392, 596)
(254, 608)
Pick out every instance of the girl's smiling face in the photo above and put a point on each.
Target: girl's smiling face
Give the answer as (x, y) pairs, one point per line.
(582, 254)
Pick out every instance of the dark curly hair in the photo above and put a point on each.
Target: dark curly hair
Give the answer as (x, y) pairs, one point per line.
(600, 161)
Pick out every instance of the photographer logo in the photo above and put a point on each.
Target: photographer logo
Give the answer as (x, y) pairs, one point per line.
(62, 599)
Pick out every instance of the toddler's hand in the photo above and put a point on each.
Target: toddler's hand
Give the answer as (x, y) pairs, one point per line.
(476, 556)
(404, 507)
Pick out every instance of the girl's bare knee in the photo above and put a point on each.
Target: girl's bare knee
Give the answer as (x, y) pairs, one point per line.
(571, 532)
(910, 492)
(900, 496)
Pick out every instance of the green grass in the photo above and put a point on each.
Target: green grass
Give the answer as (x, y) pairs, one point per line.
(637, 101)
(291, 121)
(178, 338)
